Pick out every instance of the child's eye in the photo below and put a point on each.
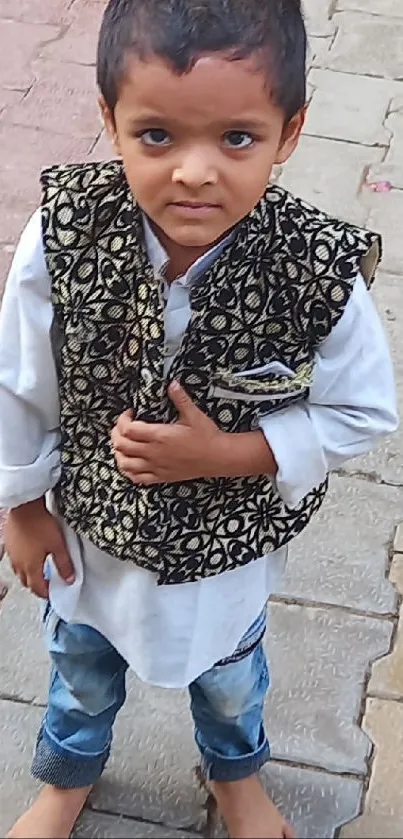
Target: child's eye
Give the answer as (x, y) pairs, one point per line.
(238, 139)
(155, 137)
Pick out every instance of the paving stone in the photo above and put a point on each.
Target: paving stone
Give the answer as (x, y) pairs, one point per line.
(364, 103)
(319, 660)
(18, 728)
(315, 802)
(6, 255)
(385, 462)
(19, 172)
(19, 45)
(9, 97)
(398, 543)
(383, 811)
(35, 11)
(310, 716)
(103, 149)
(318, 47)
(60, 102)
(386, 213)
(367, 45)
(329, 174)
(341, 558)
(153, 778)
(24, 670)
(79, 43)
(392, 168)
(386, 8)
(387, 674)
(317, 17)
(93, 825)
(396, 572)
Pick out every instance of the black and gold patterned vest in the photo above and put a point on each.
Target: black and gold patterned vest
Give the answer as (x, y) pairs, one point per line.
(275, 292)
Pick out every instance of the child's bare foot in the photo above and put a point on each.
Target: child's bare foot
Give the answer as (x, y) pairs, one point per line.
(53, 814)
(248, 812)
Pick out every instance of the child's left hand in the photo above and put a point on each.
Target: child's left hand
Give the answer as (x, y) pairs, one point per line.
(154, 453)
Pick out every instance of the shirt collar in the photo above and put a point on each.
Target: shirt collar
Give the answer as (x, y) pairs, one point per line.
(159, 257)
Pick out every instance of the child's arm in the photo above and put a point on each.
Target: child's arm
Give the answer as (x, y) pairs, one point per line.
(29, 415)
(352, 403)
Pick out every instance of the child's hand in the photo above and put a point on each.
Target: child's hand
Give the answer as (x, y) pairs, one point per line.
(153, 453)
(31, 533)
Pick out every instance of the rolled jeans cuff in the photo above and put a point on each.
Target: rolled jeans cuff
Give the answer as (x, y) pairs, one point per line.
(215, 767)
(60, 768)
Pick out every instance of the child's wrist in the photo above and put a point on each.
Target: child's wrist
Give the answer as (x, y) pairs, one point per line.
(242, 455)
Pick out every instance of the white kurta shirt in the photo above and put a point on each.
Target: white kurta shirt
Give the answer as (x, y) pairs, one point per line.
(171, 634)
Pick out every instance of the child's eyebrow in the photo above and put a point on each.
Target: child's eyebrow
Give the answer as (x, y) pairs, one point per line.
(243, 122)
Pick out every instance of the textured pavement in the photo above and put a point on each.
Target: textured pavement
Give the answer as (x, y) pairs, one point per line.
(335, 723)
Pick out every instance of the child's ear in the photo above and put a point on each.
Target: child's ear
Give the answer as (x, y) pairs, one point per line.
(290, 136)
(109, 123)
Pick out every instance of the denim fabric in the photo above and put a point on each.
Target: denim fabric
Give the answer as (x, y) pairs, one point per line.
(87, 689)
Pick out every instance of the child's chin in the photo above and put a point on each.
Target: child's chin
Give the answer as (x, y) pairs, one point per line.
(200, 236)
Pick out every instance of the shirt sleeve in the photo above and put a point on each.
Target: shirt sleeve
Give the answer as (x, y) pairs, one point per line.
(29, 401)
(351, 405)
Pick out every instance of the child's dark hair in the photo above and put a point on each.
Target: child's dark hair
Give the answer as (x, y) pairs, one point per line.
(179, 31)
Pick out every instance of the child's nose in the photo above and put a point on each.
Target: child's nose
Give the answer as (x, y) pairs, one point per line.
(195, 171)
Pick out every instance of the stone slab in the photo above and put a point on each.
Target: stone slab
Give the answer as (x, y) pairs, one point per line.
(386, 213)
(93, 825)
(319, 661)
(34, 11)
(24, 669)
(360, 119)
(386, 8)
(342, 556)
(79, 42)
(60, 102)
(103, 148)
(329, 174)
(317, 17)
(315, 802)
(19, 45)
(392, 168)
(398, 543)
(383, 811)
(396, 573)
(367, 45)
(385, 462)
(317, 49)
(6, 256)
(9, 97)
(18, 728)
(387, 674)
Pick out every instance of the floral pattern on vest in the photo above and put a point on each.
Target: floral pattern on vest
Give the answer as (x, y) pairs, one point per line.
(274, 293)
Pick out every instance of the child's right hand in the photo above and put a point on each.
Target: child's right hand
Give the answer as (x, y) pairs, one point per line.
(31, 534)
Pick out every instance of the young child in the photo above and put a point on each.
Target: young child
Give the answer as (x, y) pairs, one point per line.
(185, 354)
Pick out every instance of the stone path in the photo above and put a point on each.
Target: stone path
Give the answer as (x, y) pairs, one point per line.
(338, 612)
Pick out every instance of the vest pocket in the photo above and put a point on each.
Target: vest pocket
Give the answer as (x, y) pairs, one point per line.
(261, 385)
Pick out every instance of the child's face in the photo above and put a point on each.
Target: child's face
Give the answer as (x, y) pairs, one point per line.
(198, 148)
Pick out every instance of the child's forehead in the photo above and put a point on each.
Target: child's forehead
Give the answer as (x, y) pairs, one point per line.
(215, 87)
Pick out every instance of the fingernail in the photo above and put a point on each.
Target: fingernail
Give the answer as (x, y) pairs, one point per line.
(70, 580)
(175, 385)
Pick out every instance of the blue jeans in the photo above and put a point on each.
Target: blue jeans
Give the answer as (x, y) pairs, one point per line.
(87, 689)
